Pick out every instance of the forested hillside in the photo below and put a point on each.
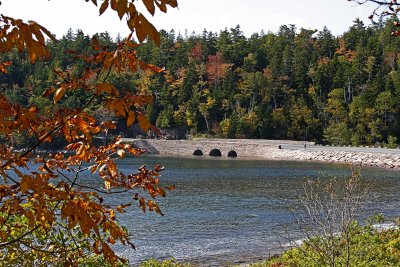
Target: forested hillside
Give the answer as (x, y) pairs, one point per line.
(294, 84)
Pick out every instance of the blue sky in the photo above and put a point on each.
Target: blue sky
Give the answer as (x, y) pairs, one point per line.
(195, 15)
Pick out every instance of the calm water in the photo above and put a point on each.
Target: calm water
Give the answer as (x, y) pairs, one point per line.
(228, 211)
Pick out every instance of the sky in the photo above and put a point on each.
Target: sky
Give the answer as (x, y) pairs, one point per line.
(194, 15)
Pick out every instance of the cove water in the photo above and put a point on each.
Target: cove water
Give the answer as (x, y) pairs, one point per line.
(232, 211)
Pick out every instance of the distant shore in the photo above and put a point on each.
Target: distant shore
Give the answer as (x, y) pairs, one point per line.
(275, 150)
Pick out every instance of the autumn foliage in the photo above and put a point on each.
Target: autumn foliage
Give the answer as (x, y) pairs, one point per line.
(47, 216)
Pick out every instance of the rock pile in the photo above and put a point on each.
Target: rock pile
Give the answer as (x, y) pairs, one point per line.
(381, 160)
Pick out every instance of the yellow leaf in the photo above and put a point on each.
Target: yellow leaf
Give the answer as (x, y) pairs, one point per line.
(121, 153)
(131, 118)
(59, 94)
(112, 215)
(107, 185)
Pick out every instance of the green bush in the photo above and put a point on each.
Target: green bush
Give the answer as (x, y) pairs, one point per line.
(392, 142)
(369, 247)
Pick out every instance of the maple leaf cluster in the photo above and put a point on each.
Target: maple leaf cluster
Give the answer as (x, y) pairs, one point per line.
(48, 210)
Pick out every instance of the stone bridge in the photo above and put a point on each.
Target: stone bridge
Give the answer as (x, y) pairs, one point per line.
(212, 147)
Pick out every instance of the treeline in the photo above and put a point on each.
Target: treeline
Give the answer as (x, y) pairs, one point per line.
(294, 84)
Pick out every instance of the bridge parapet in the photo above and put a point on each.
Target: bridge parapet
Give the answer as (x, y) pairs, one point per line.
(226, 147)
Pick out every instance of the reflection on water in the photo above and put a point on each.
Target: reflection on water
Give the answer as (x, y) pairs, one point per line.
(228, 211)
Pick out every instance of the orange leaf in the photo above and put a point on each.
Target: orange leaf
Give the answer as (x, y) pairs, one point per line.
(120, 208)
(151, 67)
(30, 216)
(132, 10)
(162, 7)
(121, 7)
(73, 146)
(25, 183)
(172, 3)
(142, 204)
(47, 32)
(150, 6)
(59, 94)
(94, 130)
(103, 7)
(140, 32)
(131, 118)
(33, 109)
(143, 122)
(132, 16)
(48, 92)
(93, 169)
(109, 124)
(108, 60)
(161, 192)
(106, 88)
(4, 65)
(149, 29)
(155, 130)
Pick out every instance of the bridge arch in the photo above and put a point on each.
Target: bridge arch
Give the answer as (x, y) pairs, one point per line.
(232, 154)
(198, 152)
(215, 153)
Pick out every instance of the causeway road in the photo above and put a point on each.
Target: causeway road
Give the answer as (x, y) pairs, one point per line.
(342, 148)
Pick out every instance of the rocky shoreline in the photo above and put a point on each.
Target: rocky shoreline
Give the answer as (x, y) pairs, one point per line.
(380, 160)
